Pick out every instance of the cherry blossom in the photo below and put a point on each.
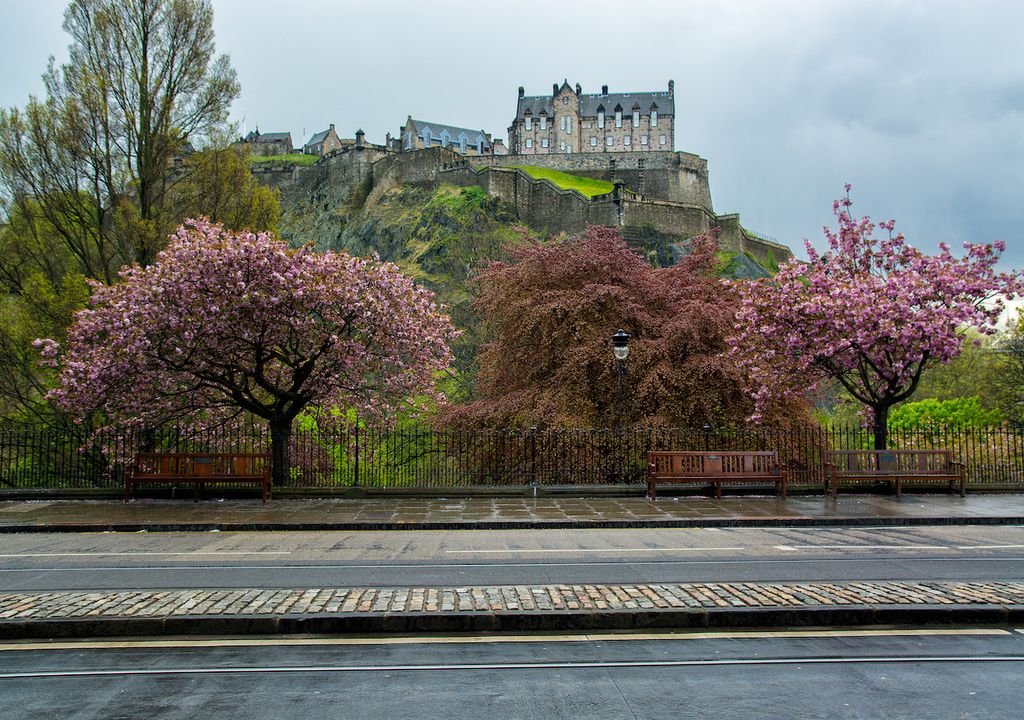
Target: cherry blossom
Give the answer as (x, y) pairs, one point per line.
(871, 313)
(226, 322)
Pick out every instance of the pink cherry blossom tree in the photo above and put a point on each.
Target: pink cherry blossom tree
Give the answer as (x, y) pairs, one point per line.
(870, 313)
(226, 322)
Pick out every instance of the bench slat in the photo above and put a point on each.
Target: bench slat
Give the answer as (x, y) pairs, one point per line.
(893, 465)
(714, 467)
(198, 469)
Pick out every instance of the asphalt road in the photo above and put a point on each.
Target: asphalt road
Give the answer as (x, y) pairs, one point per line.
(895, 674)
(336, 559)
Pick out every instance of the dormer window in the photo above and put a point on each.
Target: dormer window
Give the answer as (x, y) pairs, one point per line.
(618, 116)
(600, 116)
(654, 116)
(543, 121)
(636, 116)
(529, 121)
(426, 137)
(444, 138)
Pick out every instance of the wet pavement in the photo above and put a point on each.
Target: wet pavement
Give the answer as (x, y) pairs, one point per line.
(506, 513)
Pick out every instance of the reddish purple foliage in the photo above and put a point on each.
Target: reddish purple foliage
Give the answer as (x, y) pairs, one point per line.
(549, 314)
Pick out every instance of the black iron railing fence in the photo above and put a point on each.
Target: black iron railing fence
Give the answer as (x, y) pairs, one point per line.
(36, 457)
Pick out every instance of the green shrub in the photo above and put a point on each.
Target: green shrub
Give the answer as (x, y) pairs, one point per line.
(933, 414)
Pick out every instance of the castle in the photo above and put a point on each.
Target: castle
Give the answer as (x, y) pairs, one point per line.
(659, 197)
(569, 121)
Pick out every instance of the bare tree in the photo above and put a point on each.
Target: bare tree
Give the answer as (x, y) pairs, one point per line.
(91, 160)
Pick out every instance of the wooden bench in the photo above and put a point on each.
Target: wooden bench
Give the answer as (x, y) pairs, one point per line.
(714, 468)
(199, 470)
(899, 466)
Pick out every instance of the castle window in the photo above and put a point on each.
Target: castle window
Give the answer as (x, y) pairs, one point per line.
(609, 141)
(636, 117)
(618, 118)
(654, 117)
(426, 137)
(661, 140)
(529, 122)
(600, 116)
(561, 146)
(543, 121)
(529, 142)
(593, 141)
(643, 140)
(408, 141)
(543, 142)
(627, 140)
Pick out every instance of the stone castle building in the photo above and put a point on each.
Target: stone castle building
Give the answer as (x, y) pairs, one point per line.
(571, 121)
(419, 134)
(323, 142)
(272, 143)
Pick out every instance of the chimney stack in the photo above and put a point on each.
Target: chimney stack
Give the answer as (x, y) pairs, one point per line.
(604, 89)
(671, 87)
(521, 91)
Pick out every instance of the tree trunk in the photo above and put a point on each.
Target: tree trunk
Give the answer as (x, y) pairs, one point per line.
(280, 450)
(881, 428)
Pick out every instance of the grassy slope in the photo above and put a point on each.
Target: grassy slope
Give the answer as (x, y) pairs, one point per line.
(583, 185)
(291, 158)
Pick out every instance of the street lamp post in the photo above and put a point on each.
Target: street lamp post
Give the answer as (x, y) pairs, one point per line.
(620, 350)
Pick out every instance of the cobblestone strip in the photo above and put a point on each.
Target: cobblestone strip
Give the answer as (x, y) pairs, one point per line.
(500, 599)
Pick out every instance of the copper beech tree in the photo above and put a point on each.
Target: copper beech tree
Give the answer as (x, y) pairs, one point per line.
(223, 323)
(548, 314)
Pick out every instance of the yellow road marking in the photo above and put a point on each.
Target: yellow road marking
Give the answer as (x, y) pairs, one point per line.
(313, 640)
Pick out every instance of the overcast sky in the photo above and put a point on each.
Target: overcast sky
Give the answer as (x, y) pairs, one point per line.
(919, 104)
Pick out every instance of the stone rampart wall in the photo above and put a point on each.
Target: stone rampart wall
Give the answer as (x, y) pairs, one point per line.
(539, 203)
(674, 176)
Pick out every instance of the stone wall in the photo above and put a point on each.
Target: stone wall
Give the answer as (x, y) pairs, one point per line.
(674, 176)
(539, 203)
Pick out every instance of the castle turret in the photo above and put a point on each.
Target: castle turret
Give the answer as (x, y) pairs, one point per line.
(360, 136)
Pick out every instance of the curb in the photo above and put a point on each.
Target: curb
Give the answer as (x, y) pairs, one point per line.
(757, 522)
(552, 620)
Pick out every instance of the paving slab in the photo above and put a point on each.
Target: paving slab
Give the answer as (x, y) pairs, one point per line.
(476, 513)
(505, 608)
